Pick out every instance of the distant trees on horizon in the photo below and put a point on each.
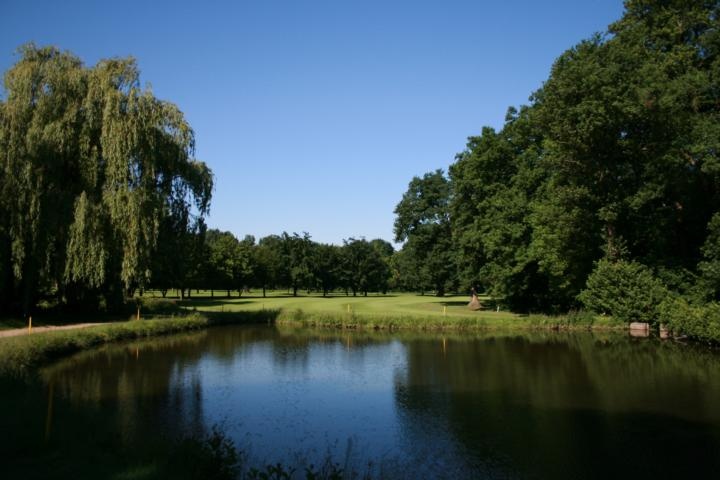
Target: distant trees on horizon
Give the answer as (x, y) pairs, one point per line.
(286, 261)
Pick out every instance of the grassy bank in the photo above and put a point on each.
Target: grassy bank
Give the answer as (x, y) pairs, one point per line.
(378, 321)
(19, 355)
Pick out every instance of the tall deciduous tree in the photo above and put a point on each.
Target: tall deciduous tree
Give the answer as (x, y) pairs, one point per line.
(423, 222)
(91, 165)
(616, 157)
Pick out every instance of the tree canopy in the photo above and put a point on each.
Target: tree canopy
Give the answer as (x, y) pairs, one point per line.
(423, 222)
(615, 159)
(93, 167)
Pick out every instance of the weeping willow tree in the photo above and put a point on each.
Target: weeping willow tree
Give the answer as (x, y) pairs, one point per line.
(92, 165)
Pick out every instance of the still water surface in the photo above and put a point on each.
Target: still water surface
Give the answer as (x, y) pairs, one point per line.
(495, 405)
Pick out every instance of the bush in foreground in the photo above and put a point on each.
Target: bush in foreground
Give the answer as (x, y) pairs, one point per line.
(626, 290)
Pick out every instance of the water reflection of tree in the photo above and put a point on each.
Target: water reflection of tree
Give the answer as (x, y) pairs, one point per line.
(118, 401)
(133, 389)
(559, 404)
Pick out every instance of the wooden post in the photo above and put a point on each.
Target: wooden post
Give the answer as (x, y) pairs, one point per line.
(137, 317)
(29, 325)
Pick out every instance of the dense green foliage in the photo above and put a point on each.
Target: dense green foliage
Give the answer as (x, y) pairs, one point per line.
(700, 322)
(423, 223)
(608, 182)
(93, 169)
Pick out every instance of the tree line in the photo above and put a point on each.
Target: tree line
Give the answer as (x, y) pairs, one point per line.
(604, 191)
(293, 262)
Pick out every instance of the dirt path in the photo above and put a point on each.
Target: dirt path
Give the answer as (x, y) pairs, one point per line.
(24, 331)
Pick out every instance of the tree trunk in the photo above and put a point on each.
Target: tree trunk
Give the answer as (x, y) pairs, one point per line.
(263, 291)
(295, 289)
(163, 293)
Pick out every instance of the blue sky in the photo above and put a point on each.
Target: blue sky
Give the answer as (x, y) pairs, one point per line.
(315, 115)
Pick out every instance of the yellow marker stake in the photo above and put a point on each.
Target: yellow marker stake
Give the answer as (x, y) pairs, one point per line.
(138, 314)
(348, 308)
(444, 311)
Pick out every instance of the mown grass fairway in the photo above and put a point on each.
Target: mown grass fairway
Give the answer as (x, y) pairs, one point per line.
(390, 304)
(401, 310)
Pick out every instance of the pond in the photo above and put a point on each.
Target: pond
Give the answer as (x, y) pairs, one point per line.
(491, 405)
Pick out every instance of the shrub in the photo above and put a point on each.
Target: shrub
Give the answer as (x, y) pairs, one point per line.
(159, 306)
(626, 290)
(699, 322)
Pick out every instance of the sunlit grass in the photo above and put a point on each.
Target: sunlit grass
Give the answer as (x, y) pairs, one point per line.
(392, 311)
(403, 303)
